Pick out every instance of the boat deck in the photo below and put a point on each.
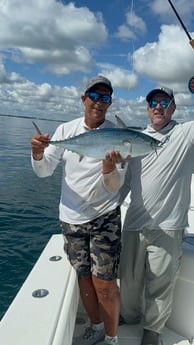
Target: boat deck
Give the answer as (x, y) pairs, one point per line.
(36, 318)
(131, 334)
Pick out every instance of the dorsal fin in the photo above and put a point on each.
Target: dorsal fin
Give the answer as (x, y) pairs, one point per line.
(120, 122)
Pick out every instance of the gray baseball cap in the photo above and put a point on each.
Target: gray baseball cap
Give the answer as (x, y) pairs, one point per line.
(164, 89)
(99, 80)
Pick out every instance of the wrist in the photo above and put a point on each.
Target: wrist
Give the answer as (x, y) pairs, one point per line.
(37, 157)
(108, 170)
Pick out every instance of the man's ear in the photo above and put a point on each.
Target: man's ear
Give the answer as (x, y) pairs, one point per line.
(174, 108)
(83, 98)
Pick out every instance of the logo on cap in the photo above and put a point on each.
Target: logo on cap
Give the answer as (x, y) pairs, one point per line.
(191, 85)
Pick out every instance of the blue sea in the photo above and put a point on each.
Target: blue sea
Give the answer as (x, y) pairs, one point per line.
(28, 205)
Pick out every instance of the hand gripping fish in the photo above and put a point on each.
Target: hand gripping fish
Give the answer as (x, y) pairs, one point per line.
(96, 143)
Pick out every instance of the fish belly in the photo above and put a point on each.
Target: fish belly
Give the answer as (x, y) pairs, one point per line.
(98, 151)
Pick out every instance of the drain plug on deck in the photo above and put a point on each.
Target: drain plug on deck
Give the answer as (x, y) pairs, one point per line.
(55, 258)
(39, 293)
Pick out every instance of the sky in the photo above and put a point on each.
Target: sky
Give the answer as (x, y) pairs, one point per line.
(49, 50)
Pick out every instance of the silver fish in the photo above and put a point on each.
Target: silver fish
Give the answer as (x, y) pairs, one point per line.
(96, 143)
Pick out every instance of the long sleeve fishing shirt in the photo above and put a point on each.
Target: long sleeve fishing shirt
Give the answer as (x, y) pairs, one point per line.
(83, 193)
(160, 182)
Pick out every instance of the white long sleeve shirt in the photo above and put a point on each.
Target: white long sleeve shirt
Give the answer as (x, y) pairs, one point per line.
(160, 182)
(83, 193)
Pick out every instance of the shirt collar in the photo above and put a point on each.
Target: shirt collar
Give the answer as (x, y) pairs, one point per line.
(163, 130)
(103, 125)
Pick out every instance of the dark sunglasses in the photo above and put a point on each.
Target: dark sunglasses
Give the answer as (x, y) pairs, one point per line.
(95, 97)
(163, 103)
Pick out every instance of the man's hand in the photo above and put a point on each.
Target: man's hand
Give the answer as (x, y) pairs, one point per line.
(111, 159)
(39, 143)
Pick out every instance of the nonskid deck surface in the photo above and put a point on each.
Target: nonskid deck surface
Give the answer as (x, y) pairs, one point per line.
(131, 334)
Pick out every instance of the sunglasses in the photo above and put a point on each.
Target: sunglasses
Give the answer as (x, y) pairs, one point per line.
(95, 97)
(163, 103)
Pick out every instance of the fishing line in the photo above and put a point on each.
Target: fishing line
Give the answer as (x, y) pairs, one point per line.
(131, 7)
(166, 109)
(31, 117)
(131, 14)
(132, 56)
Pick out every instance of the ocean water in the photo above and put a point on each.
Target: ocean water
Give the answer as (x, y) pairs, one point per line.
(28, 205)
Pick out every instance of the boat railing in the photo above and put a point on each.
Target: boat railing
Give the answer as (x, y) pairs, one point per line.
(44, 310)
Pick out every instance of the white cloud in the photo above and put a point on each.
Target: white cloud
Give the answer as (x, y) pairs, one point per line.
(119, 77)
(184, 8)
(136, 22)
(170, 60)
(62, 39)
(125, 33)
(51, 33)
(133, 27)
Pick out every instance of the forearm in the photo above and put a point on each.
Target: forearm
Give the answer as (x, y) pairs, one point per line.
(113, 169)
(47, 164)
(40, 167)
(37, 156)
(114, 179)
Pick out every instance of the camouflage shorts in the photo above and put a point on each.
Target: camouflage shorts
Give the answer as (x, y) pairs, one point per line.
(94, 247)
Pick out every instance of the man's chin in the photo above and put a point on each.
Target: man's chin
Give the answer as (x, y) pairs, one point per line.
(159, 119)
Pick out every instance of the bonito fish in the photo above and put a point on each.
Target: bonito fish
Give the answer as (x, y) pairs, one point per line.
(96, 143)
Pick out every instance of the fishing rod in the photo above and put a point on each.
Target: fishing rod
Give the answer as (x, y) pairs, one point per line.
(191, 40)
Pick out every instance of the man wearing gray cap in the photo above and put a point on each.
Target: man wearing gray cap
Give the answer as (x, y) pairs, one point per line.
(89, 213)
(156, 218)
